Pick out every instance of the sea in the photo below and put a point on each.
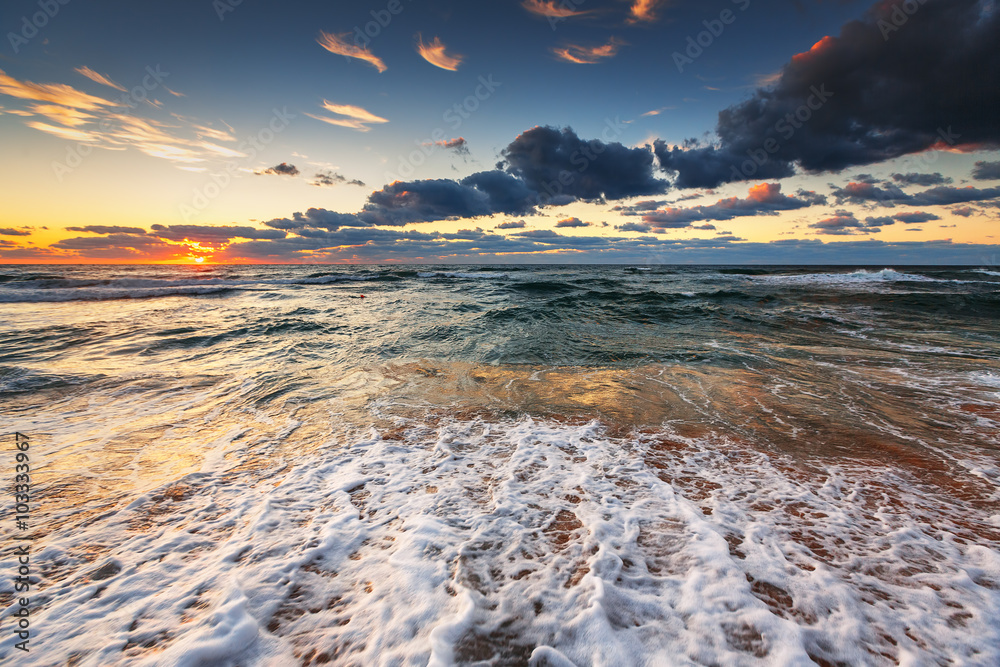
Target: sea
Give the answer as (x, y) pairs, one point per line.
(541, 465)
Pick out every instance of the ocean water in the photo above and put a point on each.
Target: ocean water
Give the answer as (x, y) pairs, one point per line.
(505, 465)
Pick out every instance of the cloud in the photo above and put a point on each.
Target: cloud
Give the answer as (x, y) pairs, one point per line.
(540, 234)
(355, 118)
(458, 144)
(435, 54)
(860, 98)
(986, 171)
(80, 117)
(890, 195)
(945, 195)
(56, 93)
(339, 45)
(328, 178)
(317, 218)
(401, 202)
(507, 194)
(283, 169)
(964, 211)
(584, 55)
(634, 227)
(556, 9)
(858, 193)
(99, 78)
(11, 231)
(64, 115)
(212, 234)
(572, 222)
(916, 217)
(511, 224)
(107, 229)
(121, 246)
(555, 162)
(762, 199)
(644, 11)
(913, 218)
(840, 224)
(64, 132)
(921, 179)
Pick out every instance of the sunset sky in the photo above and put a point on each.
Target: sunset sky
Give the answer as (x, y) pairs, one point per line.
(639, 131)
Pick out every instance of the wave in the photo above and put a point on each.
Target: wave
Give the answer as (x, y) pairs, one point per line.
(456, 274)
(859, 277)
(105, 294)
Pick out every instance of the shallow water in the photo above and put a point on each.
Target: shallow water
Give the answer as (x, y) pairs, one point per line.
(508, 465)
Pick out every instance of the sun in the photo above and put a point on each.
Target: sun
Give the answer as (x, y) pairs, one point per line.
(199, 260)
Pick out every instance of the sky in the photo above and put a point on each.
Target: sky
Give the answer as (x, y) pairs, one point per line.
(538, 131)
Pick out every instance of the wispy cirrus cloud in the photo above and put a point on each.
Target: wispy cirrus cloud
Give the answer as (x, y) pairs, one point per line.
(99, 78)
(587, 55)
(56, 93)
(63, 132)
(339, 45)
(64, 115)
(354, 117)
(551, 9)
(644, 11)
(65, 112)
(435, 53)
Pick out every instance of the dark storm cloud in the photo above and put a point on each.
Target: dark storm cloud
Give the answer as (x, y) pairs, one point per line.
(554, 162)
(921, 179)
(283, 169)
(986, 171)
(890, 84)
(404, 202)
(107, 229)
(212, 233)
(506, 193)
(762, 199)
